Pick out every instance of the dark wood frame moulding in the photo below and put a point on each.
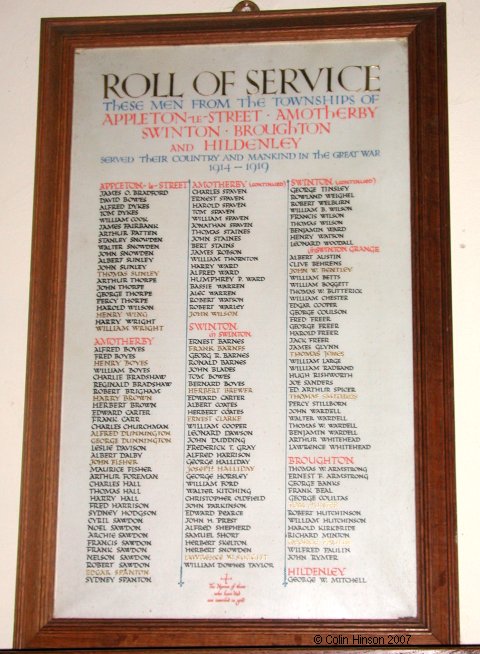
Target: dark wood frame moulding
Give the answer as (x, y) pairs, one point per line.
(437, 622)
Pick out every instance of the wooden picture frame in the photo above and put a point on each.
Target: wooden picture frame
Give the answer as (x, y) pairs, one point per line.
(436, 619)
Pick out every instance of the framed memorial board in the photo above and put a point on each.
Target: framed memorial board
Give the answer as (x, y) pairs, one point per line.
(239, 423)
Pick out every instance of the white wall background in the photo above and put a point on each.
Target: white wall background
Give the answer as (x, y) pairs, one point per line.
(19, 45)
